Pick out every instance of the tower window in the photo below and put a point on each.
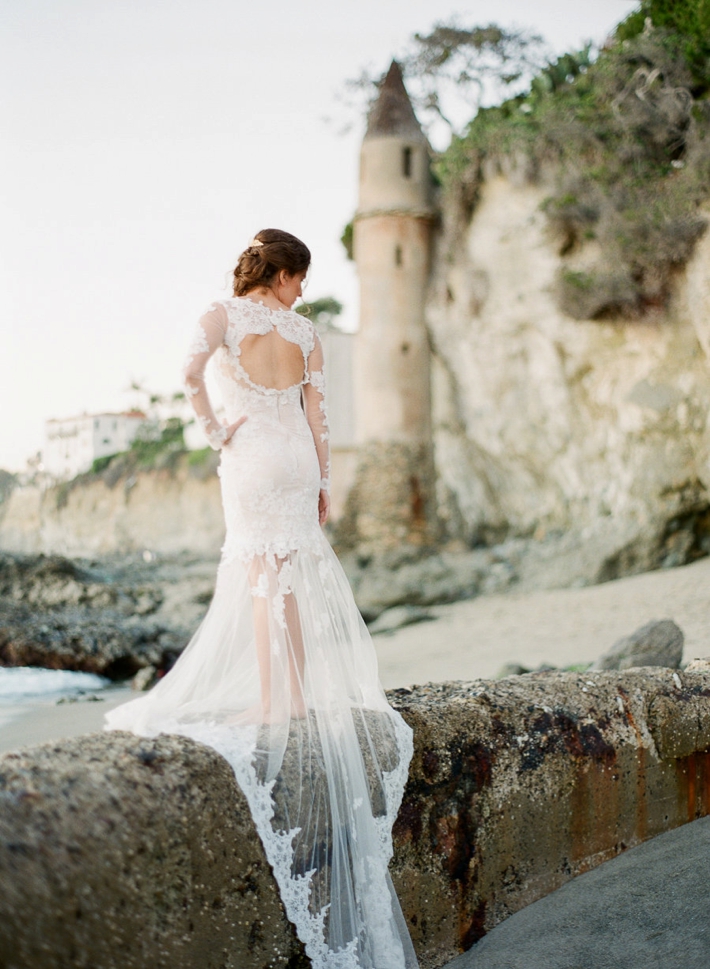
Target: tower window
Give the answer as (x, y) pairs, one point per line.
(407, 162)
(398, 255)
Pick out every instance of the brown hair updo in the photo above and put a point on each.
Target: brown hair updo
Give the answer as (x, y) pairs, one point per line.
(259, 265)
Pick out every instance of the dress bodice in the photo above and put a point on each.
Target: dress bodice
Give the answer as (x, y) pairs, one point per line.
(241, 394)
(297, 407)
(245, 316)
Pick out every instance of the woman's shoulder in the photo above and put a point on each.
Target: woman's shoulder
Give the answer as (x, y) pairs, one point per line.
(231, 309)
(302, 328)
(215, 314)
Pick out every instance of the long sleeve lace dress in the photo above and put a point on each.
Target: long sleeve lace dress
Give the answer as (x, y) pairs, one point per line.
(281, 676)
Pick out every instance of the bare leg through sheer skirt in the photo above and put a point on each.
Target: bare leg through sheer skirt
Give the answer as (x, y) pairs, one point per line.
(264, 582)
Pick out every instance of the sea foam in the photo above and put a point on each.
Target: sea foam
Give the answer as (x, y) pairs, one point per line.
(26, 682)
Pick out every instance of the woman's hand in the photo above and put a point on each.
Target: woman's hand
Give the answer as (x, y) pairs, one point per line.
(323, 507)
(231, 428)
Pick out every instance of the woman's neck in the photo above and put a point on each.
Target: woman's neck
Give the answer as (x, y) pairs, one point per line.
(262, 294)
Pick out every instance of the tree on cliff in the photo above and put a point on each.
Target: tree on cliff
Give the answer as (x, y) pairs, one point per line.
(453, 68)
(323, 312)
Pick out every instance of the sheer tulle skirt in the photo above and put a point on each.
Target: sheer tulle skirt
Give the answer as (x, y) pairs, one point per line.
(281, 678)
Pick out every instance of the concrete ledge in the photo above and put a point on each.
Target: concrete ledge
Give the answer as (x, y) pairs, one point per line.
(121, 852)
(646, 908)
(518, 786)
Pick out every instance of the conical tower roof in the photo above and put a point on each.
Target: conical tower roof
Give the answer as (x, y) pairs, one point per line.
(392, 113)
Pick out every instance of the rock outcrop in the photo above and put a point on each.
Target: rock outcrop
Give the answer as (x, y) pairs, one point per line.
(116, 851)
(130, 853)
(112, 618)
(170, 511)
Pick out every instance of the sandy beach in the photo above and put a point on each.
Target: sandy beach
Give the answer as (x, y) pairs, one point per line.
(45, 720)
(474, 638)
(471, 640)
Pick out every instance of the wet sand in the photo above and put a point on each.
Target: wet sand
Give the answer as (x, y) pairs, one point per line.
(48, 720)
(473, 639)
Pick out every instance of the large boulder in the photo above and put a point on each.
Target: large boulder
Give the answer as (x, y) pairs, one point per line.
(658, 643)
(116, 851)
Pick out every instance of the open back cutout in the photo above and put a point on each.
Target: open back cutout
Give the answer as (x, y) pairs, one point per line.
(271, 361)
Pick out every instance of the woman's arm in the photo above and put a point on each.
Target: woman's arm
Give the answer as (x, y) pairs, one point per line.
(314, 404)
(208, 337)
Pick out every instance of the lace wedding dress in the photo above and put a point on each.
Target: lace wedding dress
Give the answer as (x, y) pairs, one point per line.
(281, 676)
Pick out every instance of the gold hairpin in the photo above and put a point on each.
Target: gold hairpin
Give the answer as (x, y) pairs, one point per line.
(255, 243)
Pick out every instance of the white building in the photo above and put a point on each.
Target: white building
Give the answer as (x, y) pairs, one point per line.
(73, 443)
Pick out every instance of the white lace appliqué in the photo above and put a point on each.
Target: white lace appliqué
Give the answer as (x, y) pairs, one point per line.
(239, 748)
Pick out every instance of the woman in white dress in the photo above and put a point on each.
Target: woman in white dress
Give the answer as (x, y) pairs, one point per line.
(281, 676)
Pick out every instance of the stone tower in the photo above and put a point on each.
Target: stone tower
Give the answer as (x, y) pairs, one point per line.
(392, 502)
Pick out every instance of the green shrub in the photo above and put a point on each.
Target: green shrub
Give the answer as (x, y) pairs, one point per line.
(625, 144)
(197, 458)
(690, 19)
(157, 451)
(100, 464)
(588, 295)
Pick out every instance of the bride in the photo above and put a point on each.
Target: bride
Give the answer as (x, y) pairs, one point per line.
(281, 676)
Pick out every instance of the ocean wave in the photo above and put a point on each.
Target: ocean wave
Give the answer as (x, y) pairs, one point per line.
(24, 682)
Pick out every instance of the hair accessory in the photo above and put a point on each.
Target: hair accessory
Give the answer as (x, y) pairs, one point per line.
(255, 243)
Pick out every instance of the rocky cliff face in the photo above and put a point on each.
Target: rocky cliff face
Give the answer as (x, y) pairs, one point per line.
(546, 424)
(168, 511)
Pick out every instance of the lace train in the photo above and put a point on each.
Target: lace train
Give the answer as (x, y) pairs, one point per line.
(323, 788)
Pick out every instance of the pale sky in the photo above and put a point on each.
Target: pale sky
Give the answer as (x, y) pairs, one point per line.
(144, 142)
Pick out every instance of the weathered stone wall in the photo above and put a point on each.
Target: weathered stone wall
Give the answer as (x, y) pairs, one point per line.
(392, 501)
(117, 851)
(518, 786)
(546, 423)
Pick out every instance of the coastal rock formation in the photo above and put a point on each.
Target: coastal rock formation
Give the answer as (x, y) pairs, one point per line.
(116, 616)
(128, 853)
(169, 510)
(545, 424)
(108, 618)
(117, 851)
